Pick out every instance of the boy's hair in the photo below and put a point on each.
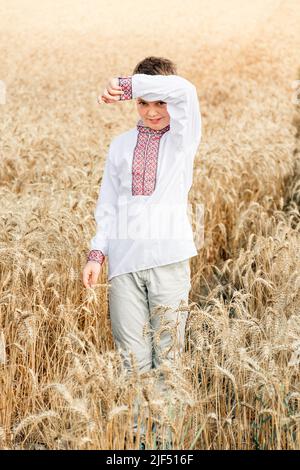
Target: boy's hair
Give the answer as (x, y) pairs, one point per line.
(156, 66)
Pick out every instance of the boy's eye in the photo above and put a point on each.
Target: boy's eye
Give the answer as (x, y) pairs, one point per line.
(160, 102)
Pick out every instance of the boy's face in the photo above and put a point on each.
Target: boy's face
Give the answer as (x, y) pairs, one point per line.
(154, 114)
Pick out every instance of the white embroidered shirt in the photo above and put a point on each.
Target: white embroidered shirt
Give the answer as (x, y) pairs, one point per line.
(141, 212)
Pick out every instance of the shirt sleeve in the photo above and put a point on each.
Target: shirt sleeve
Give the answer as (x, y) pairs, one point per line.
(96, 255)
(105, 210)
(182, 103)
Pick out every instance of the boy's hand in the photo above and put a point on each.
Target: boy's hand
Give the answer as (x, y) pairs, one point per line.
(112, 92)
(91, 272)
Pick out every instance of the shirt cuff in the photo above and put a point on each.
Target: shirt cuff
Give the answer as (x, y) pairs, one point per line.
(96, 255)
(126, 84)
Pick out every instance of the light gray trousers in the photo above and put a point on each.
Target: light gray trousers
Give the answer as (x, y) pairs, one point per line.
(133, 298)
(142, 328)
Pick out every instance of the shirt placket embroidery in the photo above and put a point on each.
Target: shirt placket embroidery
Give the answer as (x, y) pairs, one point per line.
(146, 165)
(145, 159)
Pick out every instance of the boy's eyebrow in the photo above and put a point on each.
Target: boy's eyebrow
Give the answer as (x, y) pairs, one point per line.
(143, 101)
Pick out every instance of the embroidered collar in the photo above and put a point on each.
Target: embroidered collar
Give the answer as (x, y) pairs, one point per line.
(147, 130)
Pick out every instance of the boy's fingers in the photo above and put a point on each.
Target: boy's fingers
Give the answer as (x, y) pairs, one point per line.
(86, 275)
(106, 98)
(112, 99)
(112, 91)
(109, 98)
(85, 281)
(102, 99)
(94, 278)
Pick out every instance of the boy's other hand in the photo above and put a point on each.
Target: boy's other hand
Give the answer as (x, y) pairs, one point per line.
(91, 272)
(112, 92)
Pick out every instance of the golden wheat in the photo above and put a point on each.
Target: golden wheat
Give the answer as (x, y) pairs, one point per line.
(237, 384)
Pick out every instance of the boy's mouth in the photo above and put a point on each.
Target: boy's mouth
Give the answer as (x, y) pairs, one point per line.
(155, 121)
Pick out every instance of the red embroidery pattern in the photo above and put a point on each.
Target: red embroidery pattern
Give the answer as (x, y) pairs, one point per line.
(145, 159)
(126, 84)
(96, 255)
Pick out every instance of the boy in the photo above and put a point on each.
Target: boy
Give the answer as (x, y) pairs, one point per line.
(141, 212)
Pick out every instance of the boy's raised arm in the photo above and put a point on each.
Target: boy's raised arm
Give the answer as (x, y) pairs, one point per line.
(182, 103)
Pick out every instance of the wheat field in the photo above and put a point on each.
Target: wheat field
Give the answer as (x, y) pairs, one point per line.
(62, 385)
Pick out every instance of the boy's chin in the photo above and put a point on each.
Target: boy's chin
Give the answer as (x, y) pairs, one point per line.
(159, 125)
